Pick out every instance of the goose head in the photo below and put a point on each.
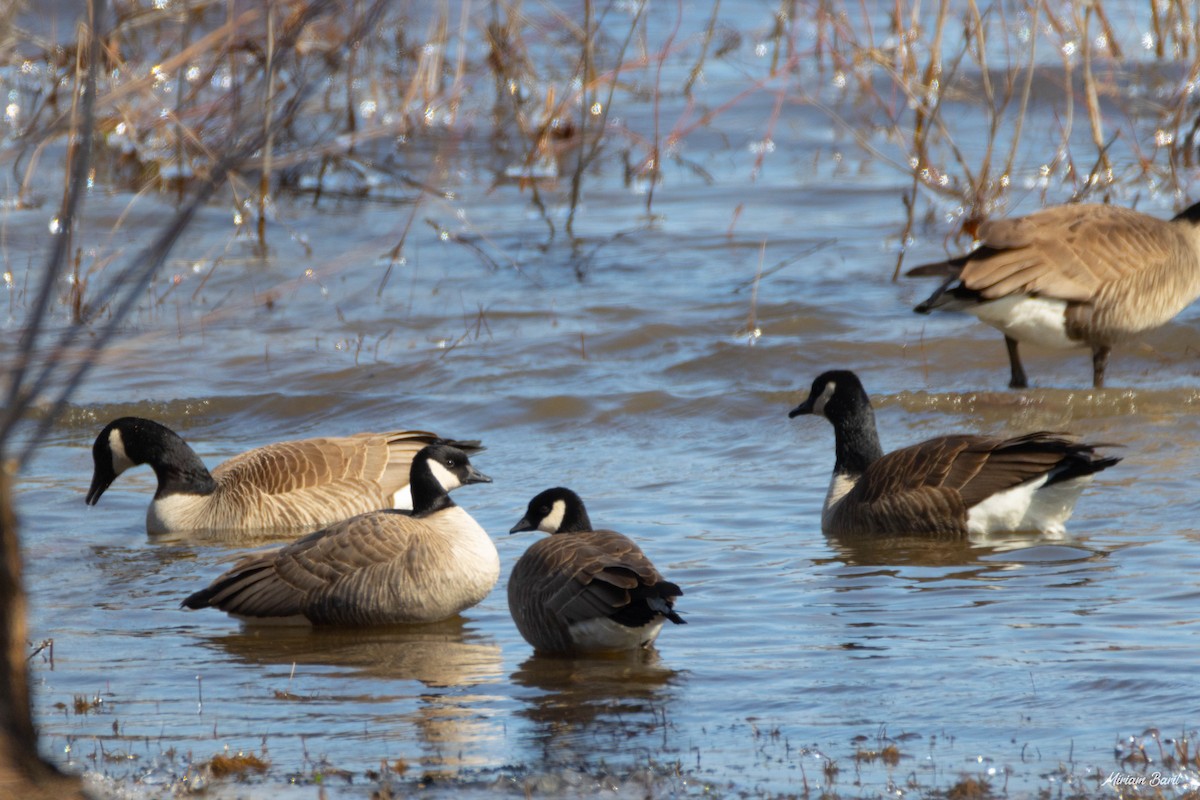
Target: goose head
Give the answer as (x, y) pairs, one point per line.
(438, 469)
(836, 395)
(557, 510)
(129, 441)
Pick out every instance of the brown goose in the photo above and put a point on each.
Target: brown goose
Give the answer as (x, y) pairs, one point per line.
(1072, 276)
(381, 568)
(283, 486)
(952, 485)
(585, 590)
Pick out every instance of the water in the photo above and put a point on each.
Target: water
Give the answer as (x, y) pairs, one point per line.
(624, 368)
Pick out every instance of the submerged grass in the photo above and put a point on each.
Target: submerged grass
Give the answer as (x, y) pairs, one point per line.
(649, 777)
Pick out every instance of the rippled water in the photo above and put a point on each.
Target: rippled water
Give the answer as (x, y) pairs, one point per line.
(623, 368)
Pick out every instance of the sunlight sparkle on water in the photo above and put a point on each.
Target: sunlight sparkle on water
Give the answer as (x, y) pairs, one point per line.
(12, 113)
(54, 225)
(367, 108)
(1147, 41)
(8, 279)
(1163, 138)
(596, 109)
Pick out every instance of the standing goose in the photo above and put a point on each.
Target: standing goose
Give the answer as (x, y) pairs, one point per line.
(1071, 276)
(954, 485)
(381, 568)
(282, 486)
(583, 590)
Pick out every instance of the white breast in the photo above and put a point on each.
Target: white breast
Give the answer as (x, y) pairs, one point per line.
(839, 485)
(1037, 320)
(476, 562)
(178, 512)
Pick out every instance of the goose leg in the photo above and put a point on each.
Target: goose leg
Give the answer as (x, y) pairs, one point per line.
(1099, 364)
(1018, 380)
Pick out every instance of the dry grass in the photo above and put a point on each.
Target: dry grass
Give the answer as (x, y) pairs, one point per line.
(339, 94)
(238, 766)
(950, 88)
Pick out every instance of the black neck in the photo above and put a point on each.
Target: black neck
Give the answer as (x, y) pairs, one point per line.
(1190, 214)
(575, 519)
(428, 494)
(178, 469)
(857, 440)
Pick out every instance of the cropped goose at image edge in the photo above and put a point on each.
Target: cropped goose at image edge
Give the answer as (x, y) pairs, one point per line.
(1084, 275)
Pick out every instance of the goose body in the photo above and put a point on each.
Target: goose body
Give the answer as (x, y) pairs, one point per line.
(284, 486)
(383, 567)
(1084, 275)
(958, 485)
(585, 590)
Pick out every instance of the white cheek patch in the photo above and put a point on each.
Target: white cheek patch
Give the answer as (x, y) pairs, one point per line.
(120, 459)
(823, 400)
(553, 521)
(445, 477)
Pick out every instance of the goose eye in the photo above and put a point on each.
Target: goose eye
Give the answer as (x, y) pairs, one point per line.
(450, 463)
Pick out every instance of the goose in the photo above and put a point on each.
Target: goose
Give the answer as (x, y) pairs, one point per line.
(1082, 275)
(283, 486)
(583, 590)
(380, 568)
(955, 486)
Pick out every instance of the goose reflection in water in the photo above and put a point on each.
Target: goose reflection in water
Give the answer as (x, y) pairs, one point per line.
(438, 655)
(922, 551)
(439, 723)
(576, 701)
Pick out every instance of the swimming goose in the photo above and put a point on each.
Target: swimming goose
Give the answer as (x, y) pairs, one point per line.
(952, 485)
(585, 590)
(283, 486)
(380, 568)
(1071, 276)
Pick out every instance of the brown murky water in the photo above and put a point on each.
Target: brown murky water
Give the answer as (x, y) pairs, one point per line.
(622, 368)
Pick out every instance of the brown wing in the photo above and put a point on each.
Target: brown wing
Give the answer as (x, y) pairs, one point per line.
(593, 574)
(302, 577)
(380, 460)
(931, 485)
(1066, 252)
